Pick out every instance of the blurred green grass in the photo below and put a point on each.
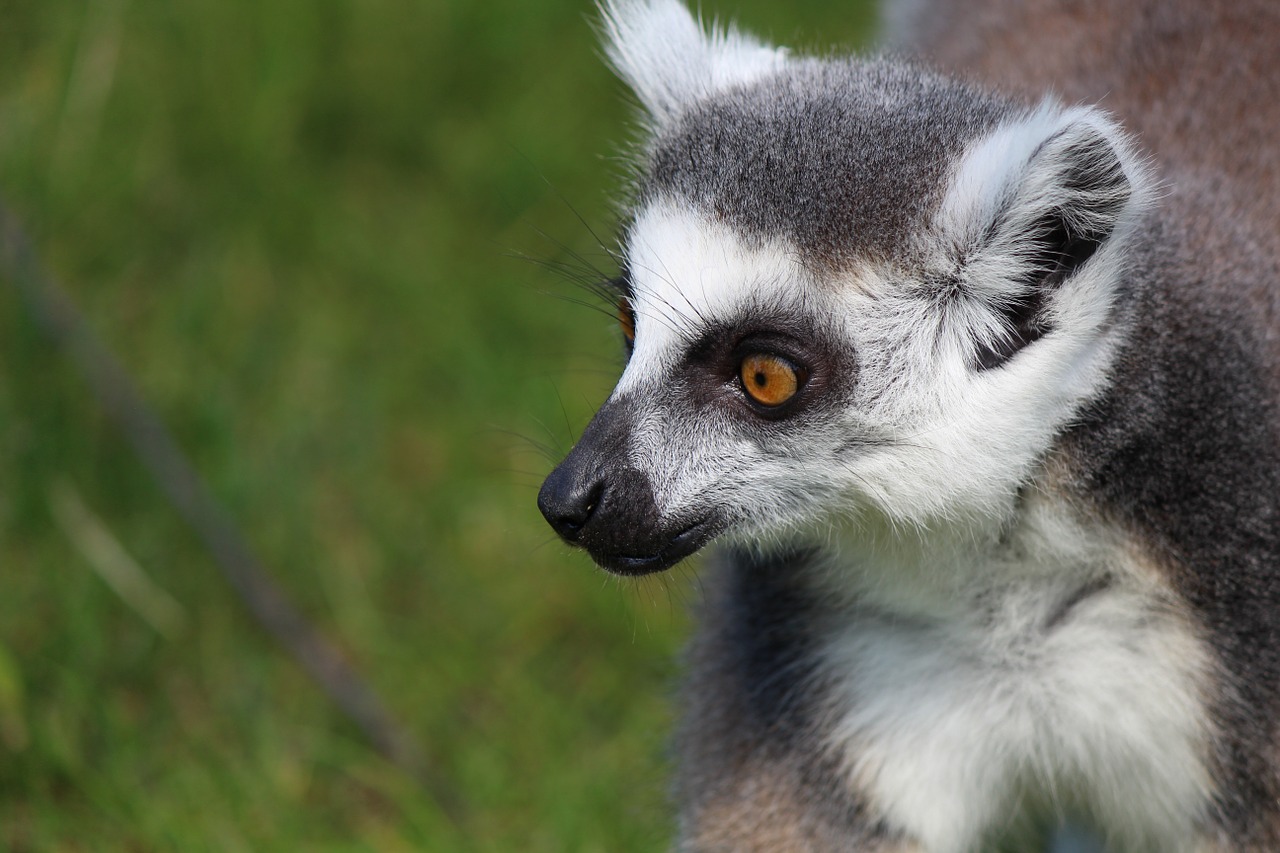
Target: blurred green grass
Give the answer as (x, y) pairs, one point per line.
(294, 222)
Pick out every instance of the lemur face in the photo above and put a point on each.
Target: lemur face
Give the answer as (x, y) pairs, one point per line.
(738, 378)
(850, 289)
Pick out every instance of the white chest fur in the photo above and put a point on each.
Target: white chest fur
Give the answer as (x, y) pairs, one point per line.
(1051, 673)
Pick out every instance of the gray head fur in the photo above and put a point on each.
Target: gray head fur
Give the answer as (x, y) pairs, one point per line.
(845, 159)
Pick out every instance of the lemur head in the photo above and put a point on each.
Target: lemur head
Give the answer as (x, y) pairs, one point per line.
(849, 288)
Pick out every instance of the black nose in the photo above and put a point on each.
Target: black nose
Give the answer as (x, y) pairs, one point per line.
(598, 501)
(568, 500)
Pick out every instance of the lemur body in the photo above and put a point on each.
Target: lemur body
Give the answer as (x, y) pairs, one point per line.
(984, 407)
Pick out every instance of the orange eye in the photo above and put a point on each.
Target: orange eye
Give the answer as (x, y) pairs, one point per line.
(770, 380)
(627, 319)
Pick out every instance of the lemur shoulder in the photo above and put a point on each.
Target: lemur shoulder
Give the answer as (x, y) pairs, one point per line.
(973, 373)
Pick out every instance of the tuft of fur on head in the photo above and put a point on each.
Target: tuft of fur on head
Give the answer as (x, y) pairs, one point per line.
(670, 62)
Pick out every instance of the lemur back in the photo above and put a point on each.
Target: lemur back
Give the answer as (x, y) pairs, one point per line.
(978, 390)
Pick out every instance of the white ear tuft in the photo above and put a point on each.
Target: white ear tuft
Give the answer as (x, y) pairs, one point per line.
(1076, 164)
(1029, 207)
(669, 61)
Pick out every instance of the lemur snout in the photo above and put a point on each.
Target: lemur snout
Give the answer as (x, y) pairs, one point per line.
(607, 510)
(597, 500)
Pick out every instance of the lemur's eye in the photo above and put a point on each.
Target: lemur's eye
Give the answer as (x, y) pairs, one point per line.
(627, 320)
(768, 379)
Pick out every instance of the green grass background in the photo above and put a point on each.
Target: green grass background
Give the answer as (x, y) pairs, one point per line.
(293, 220)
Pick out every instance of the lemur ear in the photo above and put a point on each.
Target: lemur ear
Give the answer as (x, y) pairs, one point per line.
(1035, 201)
(669, 61)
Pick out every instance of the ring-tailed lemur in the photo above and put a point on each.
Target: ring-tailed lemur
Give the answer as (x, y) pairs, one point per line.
(981, 400)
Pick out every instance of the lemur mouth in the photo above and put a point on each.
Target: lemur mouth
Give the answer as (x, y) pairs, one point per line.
(683, 544)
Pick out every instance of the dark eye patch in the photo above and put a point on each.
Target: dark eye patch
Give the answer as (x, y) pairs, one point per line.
(713, 365)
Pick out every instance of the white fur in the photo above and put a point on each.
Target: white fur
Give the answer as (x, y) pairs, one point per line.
(669, 61)
(970, 438)
(959, 703)
(687, 272)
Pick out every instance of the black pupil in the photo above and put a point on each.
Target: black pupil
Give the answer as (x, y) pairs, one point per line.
(761, 379)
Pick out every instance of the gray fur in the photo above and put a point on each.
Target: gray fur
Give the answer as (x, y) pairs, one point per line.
(846, 158)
